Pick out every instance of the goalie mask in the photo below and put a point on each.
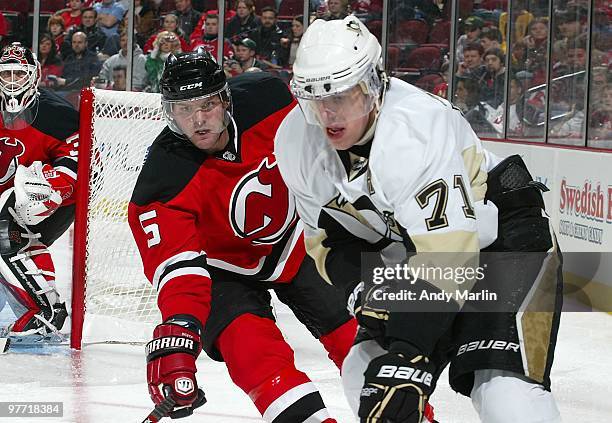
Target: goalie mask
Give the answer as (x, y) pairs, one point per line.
(195, 96)
(19, 77)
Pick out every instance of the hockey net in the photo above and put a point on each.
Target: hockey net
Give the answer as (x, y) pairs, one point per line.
(112, 301)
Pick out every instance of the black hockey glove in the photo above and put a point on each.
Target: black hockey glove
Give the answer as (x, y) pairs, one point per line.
(397, 386)
(171, 368)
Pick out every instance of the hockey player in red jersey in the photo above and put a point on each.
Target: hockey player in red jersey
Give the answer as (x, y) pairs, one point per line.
(38, 164)
(217, 229)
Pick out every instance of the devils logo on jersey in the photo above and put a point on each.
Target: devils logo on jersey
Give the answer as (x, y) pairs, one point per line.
(10, 150)
(261, 206)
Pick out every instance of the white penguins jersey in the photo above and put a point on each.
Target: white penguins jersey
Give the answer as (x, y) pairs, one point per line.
(425, 171)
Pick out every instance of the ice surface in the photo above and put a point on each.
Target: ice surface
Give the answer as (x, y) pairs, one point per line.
(105, 383)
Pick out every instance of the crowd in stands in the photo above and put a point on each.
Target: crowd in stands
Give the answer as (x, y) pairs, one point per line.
(419, 52)
(84, 42)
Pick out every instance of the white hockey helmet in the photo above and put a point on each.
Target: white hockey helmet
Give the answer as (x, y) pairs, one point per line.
(332, 59)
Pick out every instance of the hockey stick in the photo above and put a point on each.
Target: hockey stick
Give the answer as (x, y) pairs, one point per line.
(164, 408)
(161, 410)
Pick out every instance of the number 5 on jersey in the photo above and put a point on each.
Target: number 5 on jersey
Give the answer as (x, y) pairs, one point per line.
(151, 229)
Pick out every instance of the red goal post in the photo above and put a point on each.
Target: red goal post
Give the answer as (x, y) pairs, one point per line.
(112, 302)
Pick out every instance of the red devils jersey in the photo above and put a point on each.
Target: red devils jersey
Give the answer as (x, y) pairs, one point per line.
(194, 214)
(51, 138)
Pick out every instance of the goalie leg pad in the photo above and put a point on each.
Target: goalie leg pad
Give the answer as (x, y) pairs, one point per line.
(261, 363)
(29, 275)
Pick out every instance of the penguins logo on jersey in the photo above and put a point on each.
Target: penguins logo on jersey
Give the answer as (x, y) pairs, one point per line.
(363, 211)
(11, 150)
(261, 206)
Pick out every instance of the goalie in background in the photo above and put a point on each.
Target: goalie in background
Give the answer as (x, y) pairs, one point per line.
(38, 166)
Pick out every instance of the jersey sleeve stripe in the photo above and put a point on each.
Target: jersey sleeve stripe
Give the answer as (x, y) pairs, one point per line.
(182, 256)
(66, 171)
(183, 271)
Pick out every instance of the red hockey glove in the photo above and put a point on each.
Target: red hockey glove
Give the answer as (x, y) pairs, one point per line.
(171, 368)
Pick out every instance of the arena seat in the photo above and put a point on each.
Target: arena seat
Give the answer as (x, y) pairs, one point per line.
(424, 58)
(440, 33)
(291, 8)
(412, 30)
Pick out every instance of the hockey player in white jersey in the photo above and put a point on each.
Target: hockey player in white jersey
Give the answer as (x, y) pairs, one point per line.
(378, 165)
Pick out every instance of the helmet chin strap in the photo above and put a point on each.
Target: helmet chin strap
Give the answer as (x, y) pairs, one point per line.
(368, 135)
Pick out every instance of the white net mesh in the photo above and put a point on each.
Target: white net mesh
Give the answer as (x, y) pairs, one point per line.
(120, 303)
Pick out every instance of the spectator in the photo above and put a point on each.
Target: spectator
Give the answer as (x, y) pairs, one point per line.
(198, 32)
(166, 42)
(210, 36)
(188, 17)
(291, 43)
(145, 13)
(570, 23)
(244, 22)
(336, 9)
(521, 18)
(95, 37)
(139, 74)
(599, 77)
(537, 50)
(119, 77)
(267, 38)
(472, 66)
(51, 65)
(80, 66)
(490, 38)
(72, 16)
(492, 85)
(601, 118)
(537, 34)
(515, 120)
(110, 15)
(515, 124)
(576, 54)
(479, 115)
(245, 54)
(55, 24)
(171, 24)
(473, 28)
(467, 94)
